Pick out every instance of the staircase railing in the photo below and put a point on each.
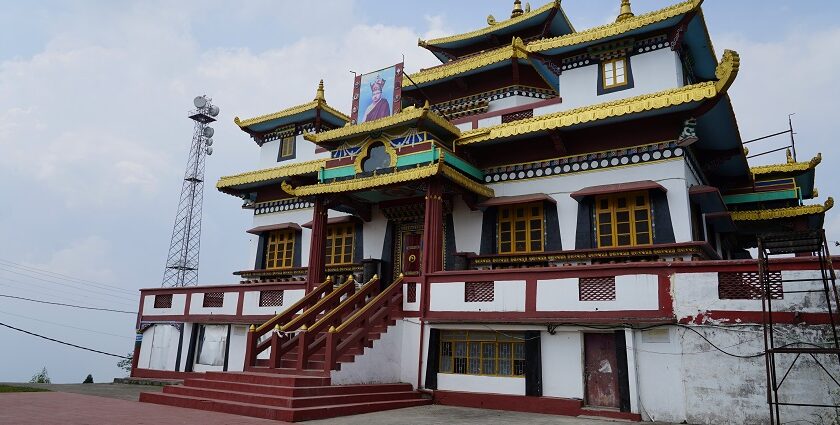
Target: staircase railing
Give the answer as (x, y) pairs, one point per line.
(309, 340)
(253, 347)
(356, 328)
(282, 340)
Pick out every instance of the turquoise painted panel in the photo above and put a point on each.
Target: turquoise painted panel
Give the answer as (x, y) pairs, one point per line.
(424, 157)
(761, 196)
(463, 166)
(333, 173)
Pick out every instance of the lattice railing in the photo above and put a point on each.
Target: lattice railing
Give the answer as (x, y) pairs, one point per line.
(747, 285)
(596, 288)
(479, 292)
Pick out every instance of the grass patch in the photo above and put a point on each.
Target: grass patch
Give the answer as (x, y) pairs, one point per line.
(14, 389)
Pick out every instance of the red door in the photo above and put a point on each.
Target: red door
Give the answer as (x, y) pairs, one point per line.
(412, 248)
(600, 370)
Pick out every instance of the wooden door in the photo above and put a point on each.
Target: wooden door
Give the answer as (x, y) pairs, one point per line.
(411, 252)
(601, 370)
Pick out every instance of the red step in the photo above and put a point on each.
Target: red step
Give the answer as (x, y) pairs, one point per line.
(268, 378)
(277, 413)
(295, 391)
(286, 401)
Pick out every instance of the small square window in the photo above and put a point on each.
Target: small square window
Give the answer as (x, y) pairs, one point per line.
(614, 72)
(271, 298)
(213, 299)
(287, 148)
(163, 301)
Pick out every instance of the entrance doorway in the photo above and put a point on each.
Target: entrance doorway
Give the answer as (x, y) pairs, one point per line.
(408, 252)
(601, 370)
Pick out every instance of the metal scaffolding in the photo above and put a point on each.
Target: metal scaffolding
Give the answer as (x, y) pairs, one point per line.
(825, 352)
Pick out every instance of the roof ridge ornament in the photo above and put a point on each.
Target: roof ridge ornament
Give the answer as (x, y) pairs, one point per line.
(625, 12)
(319, 94)
(517, 9)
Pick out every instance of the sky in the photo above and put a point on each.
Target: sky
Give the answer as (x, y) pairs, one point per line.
(94, 133)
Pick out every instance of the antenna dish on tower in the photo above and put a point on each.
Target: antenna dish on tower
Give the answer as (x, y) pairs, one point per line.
(208, 142)
(214, 110)
(209, 150)
(208, 132)
(200, 101)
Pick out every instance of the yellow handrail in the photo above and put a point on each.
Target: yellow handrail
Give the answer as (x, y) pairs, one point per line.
(351, 298)
(296, 306)
(367, 306)
(292, 324)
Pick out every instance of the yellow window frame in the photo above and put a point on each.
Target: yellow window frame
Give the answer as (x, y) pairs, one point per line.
(531, 233)
(287, 147)
(280, 249)
(486, 341)
(341, 240)
(611, 66)
(611, 213)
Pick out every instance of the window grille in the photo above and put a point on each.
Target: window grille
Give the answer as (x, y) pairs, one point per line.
(747, 286)
(516, 116)
(411, 293)
(479, 292)
(213, 299)
(482, 353)
(596, 288)
(163, 301)
(271, 298)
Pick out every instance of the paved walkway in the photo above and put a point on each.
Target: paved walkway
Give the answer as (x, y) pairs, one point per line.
(93, 404)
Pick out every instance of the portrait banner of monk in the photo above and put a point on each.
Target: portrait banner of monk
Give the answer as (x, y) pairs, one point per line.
(377, 94)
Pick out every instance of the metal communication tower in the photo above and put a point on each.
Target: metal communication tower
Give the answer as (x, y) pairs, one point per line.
(182, 261)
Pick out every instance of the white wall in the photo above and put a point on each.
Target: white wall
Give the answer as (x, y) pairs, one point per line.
(632, 292)
(236, 352)
(251, 303)
(481, 384)
(304, 151)
(652, 72)
(508, 296)
(409, 362)
(178, 303)
(562, 364)
(379, 364)
(373, 234)
(659, 367)
(669, 173)
(696, 293)
(467, 225)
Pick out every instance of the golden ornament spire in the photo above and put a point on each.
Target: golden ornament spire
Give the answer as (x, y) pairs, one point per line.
(517, 9)
(319, 94)
(625, 12)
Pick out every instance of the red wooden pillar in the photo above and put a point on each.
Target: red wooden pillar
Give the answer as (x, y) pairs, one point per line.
(317, 247)
(433, 228)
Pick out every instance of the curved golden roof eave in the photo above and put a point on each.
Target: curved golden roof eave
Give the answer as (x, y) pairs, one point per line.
(515, 50)
(492, 28)
(258, 176)
(777, 213)
(790, 167)
(404, 116)
(726, 71)
(315, 104)
(615, 28)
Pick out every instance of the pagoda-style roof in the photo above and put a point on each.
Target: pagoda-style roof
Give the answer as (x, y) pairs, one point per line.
(391, 178)
(244, 181)
(548, 20)
(782, 213)
(409, 116)
(502, 56)
(789, 169)
(535, 53)
(686, 97)
(317, 108)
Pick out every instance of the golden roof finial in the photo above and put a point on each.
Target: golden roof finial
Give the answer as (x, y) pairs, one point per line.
(625, 12)
(517, 9)
(789, 156)
(319, 94)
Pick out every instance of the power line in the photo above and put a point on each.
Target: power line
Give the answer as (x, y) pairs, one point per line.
(35, 272)
(50, 291)
(62, 342)
(61, 275)
(64, 284)
(63, 325)
(67, 305)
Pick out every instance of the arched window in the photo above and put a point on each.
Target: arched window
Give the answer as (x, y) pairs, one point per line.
(377, 158)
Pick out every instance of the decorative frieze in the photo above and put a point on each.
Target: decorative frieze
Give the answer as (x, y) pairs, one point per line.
(281, 205)
(578, 163)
